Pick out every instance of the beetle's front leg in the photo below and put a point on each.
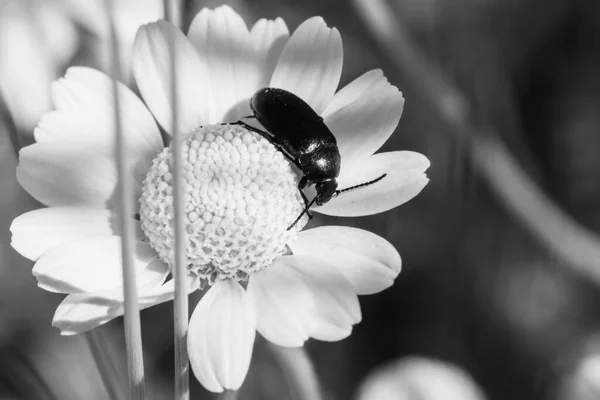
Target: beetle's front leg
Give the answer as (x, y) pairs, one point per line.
(303, 182)
(301, 185)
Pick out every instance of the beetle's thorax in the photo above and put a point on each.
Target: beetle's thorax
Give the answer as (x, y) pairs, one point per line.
(322, 164)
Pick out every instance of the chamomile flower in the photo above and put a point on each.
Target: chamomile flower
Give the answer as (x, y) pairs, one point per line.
(241, 193)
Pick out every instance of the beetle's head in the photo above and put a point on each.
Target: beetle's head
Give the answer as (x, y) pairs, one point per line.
(325, 190)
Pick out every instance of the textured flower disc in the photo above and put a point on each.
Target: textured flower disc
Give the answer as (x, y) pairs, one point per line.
(241, 195)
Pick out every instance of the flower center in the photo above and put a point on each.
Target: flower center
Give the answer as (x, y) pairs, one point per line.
(240, 197)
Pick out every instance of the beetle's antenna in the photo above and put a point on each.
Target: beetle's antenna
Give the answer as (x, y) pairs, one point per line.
(337, 192)
(302, 213)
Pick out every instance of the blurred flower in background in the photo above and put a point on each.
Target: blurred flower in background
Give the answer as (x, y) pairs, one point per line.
(419, 378)
(582, 381)
(38, 39)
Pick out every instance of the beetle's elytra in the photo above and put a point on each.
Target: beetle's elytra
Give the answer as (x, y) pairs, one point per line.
(296, 130)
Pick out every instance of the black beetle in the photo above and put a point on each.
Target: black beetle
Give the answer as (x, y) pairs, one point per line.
(296, 130)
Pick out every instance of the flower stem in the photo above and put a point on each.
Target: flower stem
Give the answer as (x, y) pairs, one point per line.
(105, 365)
(133, 334)
(174, 12)
(180, 303)
(229, 395)
(299, 370)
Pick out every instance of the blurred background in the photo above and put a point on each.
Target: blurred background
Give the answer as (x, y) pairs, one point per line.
(485, 300)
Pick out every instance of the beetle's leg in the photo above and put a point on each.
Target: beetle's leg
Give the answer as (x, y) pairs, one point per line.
(248, 117)
(271, 139)
(302, 213)
(303, 182)
(262, 133)
(306, 204)
(301, 185)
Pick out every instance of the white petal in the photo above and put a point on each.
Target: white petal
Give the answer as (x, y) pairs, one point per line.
(363, 115)
(64, 175)
(368, 261)
(152, 292)
(92, 265)
(269, 38)
(153, 288)
(80, 312)
(405, 179)
(310, 65)
(284, 303)
(38, 231)
(223, 42)
(151, 68)
(221, 337)
(85, 115)
(336, 304)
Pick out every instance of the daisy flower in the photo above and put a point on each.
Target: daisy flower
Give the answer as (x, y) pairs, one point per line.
(241, 193)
